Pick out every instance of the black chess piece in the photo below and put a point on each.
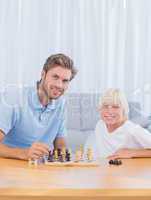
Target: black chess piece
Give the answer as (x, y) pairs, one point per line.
(68, 155)
(111, 162)
(119, 162)
(115, 162)
(50, 156)
(61, 158)
(59, 155)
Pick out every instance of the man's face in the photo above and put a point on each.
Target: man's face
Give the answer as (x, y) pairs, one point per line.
(112, 114)
(55, 82)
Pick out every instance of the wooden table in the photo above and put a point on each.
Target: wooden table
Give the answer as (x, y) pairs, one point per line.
(131, 180)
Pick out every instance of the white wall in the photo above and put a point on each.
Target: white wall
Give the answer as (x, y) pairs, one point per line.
(109, 40)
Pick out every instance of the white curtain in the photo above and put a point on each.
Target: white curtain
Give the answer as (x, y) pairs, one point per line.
(109, 40)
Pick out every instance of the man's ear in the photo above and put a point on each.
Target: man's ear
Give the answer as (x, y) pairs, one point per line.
(43, 74)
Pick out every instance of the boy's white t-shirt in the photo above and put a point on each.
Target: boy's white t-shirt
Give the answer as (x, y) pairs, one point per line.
(129, 135)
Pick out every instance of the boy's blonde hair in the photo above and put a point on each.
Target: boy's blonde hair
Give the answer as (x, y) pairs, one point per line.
(115, 97)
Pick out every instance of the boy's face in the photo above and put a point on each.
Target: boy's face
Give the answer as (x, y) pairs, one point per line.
(112, 114)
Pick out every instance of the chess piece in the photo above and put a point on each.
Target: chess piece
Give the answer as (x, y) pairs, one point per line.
(68, 155)
(119, 162)
(111, 162)
(55, 155)
(33, 162)
(81, 152)
(89, 154)
(50, 156)
(115, 162)
(77, 156)
(59, 152)
(63, 152)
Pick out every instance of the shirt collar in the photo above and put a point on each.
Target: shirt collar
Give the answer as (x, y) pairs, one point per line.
(36, 102)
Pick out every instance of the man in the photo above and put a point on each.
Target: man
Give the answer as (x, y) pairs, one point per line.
(27, 131)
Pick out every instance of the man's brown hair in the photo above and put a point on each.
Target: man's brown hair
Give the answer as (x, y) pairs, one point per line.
(62, 61)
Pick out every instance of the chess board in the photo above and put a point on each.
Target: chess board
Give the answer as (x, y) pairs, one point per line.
(73, 164)
(62, 158)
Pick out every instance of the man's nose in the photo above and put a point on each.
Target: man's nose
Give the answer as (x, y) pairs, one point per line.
(59, 84)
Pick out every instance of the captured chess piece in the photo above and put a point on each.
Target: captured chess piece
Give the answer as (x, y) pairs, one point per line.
(111, 162)
(115, 162)
(33, 162)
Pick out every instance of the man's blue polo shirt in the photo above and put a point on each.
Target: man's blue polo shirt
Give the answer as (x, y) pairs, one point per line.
(25, 120)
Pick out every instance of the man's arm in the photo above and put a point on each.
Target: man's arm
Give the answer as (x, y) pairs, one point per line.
(1, 136)
(36, 151)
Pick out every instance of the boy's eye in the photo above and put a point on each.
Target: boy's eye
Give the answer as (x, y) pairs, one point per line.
(105, 107)
(111, 106)
(116, 107)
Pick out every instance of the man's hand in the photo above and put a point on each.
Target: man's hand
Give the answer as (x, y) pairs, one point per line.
(59, 143)
(36, 151)
(124, 153)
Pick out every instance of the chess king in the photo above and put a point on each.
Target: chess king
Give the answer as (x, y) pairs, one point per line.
(29, 127)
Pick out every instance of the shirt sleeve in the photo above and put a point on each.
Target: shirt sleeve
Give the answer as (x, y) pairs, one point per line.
(142, 137)
(7, 117)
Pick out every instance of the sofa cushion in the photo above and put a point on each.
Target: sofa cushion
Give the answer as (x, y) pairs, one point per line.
(82, 111)
(89, 111)
(73, 111)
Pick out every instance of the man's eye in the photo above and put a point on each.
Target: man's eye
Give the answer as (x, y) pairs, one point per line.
(66, 81)
(55, 77)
